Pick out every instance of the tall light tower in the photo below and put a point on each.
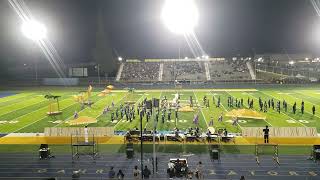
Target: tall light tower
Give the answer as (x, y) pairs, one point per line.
(36, 32)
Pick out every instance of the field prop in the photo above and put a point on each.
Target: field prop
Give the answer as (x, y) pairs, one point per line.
(84, 97)
(53, 107)
(245, 113)
(106, 91)
(82, 120)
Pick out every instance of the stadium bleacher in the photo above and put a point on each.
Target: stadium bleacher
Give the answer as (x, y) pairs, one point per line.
(185, 70)
(188, 70)
(140, 71)
(230, 70)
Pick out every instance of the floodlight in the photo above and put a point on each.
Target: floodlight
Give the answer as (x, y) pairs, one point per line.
(306, 59)
(291, 62)
(185, 57)
(206, 57)
(180, 16)
(120, 58)
(34, 30)
(198, 57)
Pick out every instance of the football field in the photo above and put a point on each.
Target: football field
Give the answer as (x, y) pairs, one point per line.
(26, 111)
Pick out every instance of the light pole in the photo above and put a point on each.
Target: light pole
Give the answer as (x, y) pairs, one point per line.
(36, 32)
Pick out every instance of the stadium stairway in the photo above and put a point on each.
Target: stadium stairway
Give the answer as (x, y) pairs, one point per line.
(119, 72)
(206, 66)
(251, 70)
(160, 71)
(28, 166)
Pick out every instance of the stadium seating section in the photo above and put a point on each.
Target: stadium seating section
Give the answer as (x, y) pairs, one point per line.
(185, 70)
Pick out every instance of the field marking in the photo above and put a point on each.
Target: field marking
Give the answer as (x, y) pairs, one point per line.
(34, 111)
(281, 111)
(120, 101)
(153, 118)
(298, 92)
(201, 109)
(309, 112)
(248, 107)
(21, 107)
(27, 107)
(16, 98)
(46, 116)
(31, 94)
(41, 119)
(228, 111)
(86, 107)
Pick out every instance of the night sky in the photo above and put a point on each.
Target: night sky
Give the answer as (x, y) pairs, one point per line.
(134, 28)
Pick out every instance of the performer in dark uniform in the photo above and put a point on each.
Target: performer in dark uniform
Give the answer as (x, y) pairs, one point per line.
(266, 134)
(313, 109)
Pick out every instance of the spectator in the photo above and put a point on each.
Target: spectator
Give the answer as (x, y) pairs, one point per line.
(146, 172)
(111, 173)
(199, 170)
(120, 175)
(170, 170)
(136, 173)
(242, 178)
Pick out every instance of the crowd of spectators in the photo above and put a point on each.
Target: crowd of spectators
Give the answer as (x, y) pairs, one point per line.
(140, 71)
(184, 71)
(229, 70)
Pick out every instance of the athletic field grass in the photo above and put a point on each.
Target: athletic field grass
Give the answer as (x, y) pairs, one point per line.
(25, 111)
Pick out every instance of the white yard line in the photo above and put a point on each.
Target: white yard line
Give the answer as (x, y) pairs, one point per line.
(280, 111)
(78, 113)
(32, 94)
(248, 107)
(159, 104)
(309, 112)
(226, 109)
(22, 107)
(24, 96)
(34, 111)
(134, 104)
(40, 119)
(201, 109)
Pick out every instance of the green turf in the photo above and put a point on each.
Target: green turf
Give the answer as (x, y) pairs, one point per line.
(26, 110)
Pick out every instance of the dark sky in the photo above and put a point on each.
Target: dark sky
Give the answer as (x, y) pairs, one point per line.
(226, 27)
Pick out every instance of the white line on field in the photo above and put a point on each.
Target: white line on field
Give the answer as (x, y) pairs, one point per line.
(78, 113)
(134, 103)
(227, 111)
(281, 111)
(159, 104)
(21, 107)
(309, 112)
(40, 119)
(201, 109)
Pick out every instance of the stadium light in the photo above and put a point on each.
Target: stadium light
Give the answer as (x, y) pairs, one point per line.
(306, 59)
(120, 58)
(34, 30)
(206, 57)
(291, 62)
(198, 57)
(186, 58)
(180, 16)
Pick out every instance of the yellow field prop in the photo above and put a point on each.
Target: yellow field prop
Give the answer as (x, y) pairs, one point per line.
(82, 120)
(245, 113)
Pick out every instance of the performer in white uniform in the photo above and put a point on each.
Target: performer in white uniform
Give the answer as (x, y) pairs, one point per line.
(86, 139)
